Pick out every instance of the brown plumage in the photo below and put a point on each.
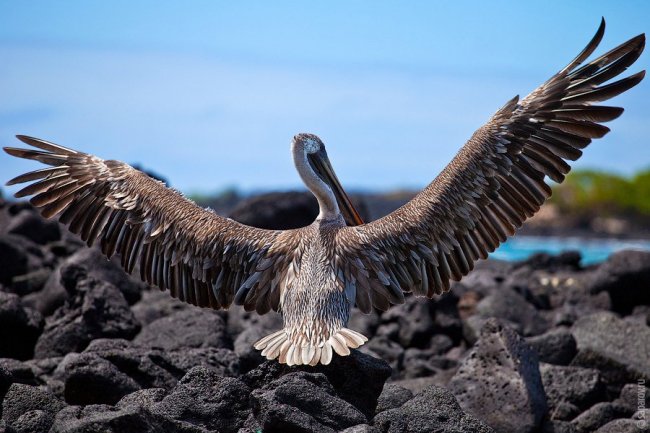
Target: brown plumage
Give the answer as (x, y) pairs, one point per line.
(314, 275)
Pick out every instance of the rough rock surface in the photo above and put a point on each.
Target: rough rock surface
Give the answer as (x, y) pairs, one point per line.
(619, 348)
(86, 348)
(499, 381)
(433, 409)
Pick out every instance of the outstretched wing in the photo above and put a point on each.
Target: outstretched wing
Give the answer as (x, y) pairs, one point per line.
(491, 187)
(200, 257)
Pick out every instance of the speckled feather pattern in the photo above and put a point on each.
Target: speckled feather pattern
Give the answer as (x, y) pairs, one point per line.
(314, 275)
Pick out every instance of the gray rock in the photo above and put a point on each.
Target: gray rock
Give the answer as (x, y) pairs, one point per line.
(499, 381)
(32, 226)
(21, 399)
(415, 320)
(361, 428)
(357, 378)
(303, 401)
(107, 419)
(207, 400)
(33, 421)
(511, 306)
(155, 304)
(30, 282)
(579, 387)
(624, 426)
(556, 346)
(94, 309)
(184, 329)
(598, 415)
(432, 410)
(634, 395)
(97, 266)
(625, 275)
(15, 258)
(20, 327)
(619, 348)
(557, 426)
(393, 396)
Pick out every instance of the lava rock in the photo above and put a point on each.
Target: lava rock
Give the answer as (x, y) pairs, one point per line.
(97, 266)
(303, 401)
(33, 421)
(625, 275)
(633, 396)
(415, 321)
(107, 419)
(433, 409)
(15, 258)
(283, 210)
(511, 306)
(624, 426)
(110, 369)
(35, 228)
(575, 386)
(499, 381)
(21, 399)
(94, 309)
(619, 348)
(557, 426)
(598, 415)
(20, 327)
(30, 282)
(556, 346)
(205, 399)
(155, 304)
(186, 328)
(357, 378)
(393, 396)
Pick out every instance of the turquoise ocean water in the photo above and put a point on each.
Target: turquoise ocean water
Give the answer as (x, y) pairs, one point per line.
(592, 250)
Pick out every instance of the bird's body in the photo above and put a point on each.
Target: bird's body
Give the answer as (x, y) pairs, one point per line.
(315, 275)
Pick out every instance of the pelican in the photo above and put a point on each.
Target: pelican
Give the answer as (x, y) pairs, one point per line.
(315, 275)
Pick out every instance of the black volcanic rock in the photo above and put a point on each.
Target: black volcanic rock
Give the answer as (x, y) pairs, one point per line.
(97, 266)
(554, 347)
(186, 328)
(108, 419)
(625, 275)
(570, 390)
(207, 400)
(357, 378)
(283, 210)
(499, 381)
(393, 396)
(302, 401)
(432, 410)
(20, 327)
(511, 306)
(598, 415)
(33, 227)
(617, 347)
(93, 309)
(21, 399)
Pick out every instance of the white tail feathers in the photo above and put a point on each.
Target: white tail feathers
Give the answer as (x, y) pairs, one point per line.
(278, 345)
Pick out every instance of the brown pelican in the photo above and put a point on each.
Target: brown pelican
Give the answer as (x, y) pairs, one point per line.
(315, 275)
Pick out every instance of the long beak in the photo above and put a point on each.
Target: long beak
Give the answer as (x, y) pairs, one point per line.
(323, 166)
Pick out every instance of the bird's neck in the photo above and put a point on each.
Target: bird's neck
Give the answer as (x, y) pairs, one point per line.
(328, 207)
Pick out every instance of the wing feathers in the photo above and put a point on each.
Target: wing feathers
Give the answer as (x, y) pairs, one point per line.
(198, 256)
(497, 179)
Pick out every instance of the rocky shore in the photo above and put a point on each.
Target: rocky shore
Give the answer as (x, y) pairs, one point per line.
(544, 345)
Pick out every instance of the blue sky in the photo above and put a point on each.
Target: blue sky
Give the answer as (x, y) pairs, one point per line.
(210, 93)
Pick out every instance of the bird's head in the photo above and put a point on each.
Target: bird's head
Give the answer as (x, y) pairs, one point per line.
(312, 149)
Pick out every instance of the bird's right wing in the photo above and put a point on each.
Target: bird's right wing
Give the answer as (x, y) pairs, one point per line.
(199, 256)
(494, 183)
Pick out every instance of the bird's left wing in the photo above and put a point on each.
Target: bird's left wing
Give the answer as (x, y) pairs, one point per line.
(199, 256)
(491, 186)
